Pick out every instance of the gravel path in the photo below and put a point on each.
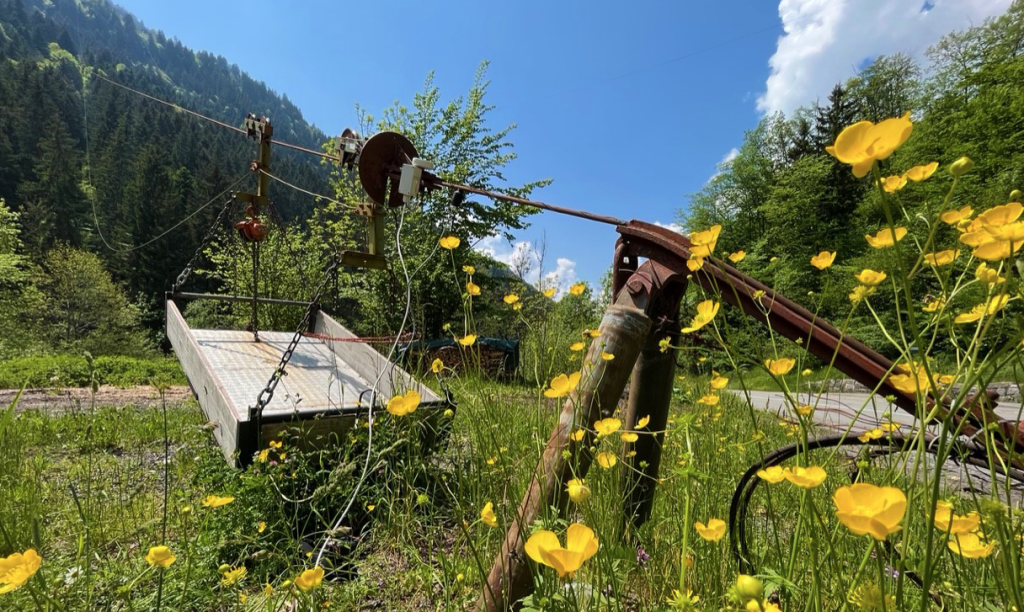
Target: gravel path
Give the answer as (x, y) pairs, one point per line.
(60, 400)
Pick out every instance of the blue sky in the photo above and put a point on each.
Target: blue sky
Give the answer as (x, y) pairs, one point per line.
(628, 107)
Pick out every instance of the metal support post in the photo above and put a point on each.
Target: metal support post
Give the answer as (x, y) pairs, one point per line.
(623, 331)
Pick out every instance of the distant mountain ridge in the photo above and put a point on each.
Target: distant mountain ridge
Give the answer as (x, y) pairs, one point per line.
(204, 82)
(75, 149)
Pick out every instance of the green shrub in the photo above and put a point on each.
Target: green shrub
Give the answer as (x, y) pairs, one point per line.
(73, 371)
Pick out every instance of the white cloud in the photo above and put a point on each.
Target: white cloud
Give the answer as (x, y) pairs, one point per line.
(675, 227)
(725, 161)
(731, 155)
(826, 40)
(525, 259)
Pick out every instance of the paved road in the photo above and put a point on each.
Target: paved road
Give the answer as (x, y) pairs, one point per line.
(838, 410)
(865, 411)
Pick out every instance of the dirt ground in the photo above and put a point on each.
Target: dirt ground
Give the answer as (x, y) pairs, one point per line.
(70, 399)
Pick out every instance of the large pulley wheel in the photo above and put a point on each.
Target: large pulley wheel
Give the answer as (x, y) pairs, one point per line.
(382, 156)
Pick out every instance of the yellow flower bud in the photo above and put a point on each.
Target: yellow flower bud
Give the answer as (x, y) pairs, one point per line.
(1016, 195)
(748, 587)
(961, 166)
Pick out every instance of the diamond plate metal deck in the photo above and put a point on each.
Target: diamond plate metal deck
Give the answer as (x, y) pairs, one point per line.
(316, 378)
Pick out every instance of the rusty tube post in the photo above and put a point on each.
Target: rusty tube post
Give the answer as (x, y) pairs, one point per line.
(623, 331)
(650, 394)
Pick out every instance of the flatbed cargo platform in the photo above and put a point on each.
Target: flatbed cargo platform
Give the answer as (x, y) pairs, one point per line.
(328, 383)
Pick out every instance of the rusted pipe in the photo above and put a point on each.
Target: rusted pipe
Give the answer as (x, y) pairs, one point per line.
(623, 331)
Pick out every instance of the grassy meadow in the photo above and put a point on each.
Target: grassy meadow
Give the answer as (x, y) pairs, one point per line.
(135, 509)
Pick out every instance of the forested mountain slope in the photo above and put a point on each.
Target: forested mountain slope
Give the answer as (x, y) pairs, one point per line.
(71, 142)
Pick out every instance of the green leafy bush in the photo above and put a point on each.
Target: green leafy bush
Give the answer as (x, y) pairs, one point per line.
(73, 371)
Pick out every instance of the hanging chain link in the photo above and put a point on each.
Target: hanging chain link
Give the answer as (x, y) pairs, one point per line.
(183, 277)
(267, 393)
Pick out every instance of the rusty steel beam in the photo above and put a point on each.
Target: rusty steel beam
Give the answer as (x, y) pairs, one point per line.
(789, 319)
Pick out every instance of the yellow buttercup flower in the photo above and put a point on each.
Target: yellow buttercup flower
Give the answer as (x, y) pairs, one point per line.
(719, 382)
(737, 257)
(694, 263)
(262, 457)
(774, 474)
(577, 346)
(401, 405)
(261, 526)
(449, 242)
(987, 275)
(909, 383)
(268, 590)
(487, 515)
(870, 278)
(941, 258)
(276, 444)
(629, 437)
(472, 288)
(934, 305)
(562, 385)
(892, 184)
(780, 367)
(885, 237)
(606, 427)
(920, 173)
(606, 460)
(711, 399)
(970, 546)
(823, 260)
(606, 356)
(437, 366)
(233, 576)
(864, 142)
(955, 524)
(989, 308)
(706, 311)
(549, 292)
(510, 299)
(867, 436)
(1001, 215)
(16, 569)
(158, 556)
(808, 477)
(713, 531)
(954, 217)
(577, 490)
(591, 333)
(805, 409)
(580, 544)
(643, 422)
(860, 292)
(806, 372)
(577, 288)
(679, 601)
(310, 579)
(467, 340)
(216, 501)
(470, 270)
(867, 509)
(703, 243)
(577, 436)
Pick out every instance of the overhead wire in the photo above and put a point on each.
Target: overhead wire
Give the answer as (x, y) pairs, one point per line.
(178, 107)
(195, 212)
(305, 191)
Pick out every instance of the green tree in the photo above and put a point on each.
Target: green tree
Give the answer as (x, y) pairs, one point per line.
(19, 298)
(85, 310)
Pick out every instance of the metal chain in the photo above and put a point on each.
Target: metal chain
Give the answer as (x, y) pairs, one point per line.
(183, 277)
(267, 394)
